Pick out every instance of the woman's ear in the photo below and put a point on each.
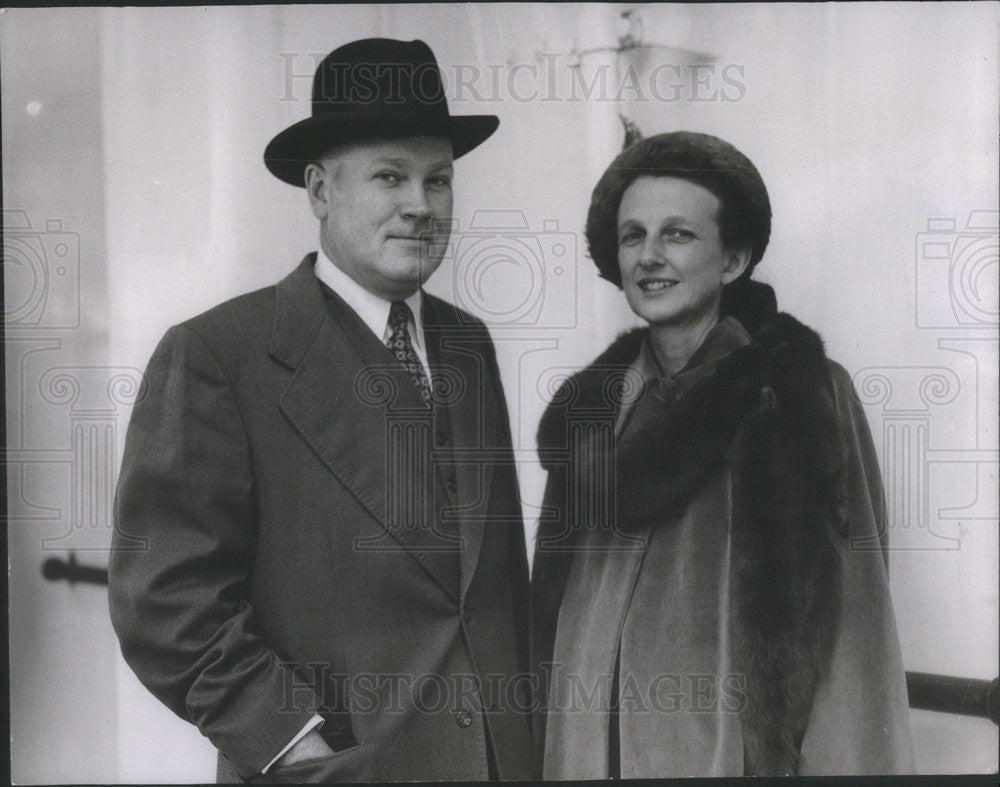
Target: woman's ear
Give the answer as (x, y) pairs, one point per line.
(736, 262)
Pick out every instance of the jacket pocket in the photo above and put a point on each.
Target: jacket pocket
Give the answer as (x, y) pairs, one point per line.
(317, 769)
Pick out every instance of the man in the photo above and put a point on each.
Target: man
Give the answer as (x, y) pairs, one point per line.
(318, 553)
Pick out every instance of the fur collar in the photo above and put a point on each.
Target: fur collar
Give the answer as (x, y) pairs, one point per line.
(769, 411)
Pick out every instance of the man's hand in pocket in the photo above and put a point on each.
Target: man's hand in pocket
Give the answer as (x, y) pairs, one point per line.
(310, 747)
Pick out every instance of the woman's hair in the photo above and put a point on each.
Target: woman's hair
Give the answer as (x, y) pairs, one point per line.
(710, 162)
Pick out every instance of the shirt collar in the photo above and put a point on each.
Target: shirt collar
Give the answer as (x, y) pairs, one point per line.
(726, 335)
(644, 372)
(372, 309)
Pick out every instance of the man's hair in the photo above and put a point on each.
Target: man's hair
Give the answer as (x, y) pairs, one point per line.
(712, 163)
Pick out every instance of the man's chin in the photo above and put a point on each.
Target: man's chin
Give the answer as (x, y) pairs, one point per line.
(411, 274)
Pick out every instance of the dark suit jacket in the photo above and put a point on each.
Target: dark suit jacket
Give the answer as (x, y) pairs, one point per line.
(282, 547)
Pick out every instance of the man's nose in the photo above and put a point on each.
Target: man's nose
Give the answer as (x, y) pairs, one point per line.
(416, 206)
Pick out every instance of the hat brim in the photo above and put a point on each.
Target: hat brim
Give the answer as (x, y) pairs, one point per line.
(287, 155)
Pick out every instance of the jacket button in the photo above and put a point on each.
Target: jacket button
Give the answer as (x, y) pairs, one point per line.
(452, 486)
(467, 615)
(463, 719)
(441, 438)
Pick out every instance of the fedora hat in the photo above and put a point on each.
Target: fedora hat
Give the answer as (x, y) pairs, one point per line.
(373, 88)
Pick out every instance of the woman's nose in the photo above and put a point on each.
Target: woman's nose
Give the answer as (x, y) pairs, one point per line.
(651, 253)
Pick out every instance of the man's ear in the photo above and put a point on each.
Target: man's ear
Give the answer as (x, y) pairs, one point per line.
(317, 178)
(736, 262)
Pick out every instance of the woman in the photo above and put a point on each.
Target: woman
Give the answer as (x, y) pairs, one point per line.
(710, 593)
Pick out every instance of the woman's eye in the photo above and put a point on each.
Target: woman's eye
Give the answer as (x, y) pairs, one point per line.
(679, 235)
(630, 238)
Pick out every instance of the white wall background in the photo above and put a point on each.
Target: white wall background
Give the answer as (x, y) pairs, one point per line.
(141, 132)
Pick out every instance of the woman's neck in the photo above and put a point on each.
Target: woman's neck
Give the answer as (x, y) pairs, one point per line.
(673, 345)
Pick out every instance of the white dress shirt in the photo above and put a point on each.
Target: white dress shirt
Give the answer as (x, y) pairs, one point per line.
(374, 312)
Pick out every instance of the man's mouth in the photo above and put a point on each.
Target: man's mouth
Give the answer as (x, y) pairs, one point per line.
(656, 285)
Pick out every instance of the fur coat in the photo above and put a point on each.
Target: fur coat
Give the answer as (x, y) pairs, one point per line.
(769, 411)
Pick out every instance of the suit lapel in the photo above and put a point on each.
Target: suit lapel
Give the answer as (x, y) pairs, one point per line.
(458, 364)
(345, 397)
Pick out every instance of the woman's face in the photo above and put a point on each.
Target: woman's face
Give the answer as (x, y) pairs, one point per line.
(670, 253)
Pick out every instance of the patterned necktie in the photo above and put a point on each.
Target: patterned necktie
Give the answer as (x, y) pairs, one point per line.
(401, 346)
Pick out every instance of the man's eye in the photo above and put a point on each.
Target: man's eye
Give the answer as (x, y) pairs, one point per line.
(441, 182)
(389, 178)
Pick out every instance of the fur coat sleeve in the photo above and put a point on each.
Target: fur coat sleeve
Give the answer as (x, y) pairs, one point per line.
(859, 717)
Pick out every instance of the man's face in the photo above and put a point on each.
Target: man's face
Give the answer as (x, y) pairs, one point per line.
(385, 210)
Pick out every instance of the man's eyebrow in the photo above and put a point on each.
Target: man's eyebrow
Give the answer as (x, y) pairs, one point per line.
(402, 162)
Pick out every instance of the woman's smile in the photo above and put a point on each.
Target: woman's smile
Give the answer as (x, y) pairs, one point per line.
(656, 285)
